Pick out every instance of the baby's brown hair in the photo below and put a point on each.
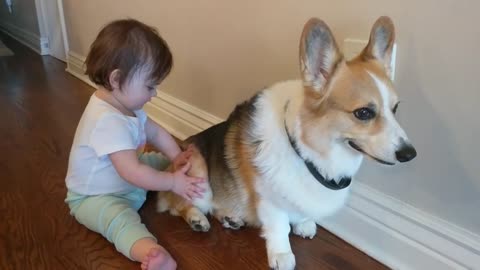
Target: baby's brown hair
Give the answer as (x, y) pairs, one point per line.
(129, 46)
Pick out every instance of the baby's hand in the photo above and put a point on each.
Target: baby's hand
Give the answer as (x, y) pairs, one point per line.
(186, 186)
(181, 159)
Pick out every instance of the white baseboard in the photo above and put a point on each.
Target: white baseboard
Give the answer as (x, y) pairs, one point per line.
(396, 234)
(401, 236)
(76, 67)
(27, 38)
(179, 118)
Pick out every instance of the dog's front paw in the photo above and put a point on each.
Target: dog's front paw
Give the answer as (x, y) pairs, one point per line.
(282, 261)
(307, 229)
(199, 223)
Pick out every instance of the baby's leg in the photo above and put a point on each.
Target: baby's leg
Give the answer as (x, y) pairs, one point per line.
(146, 250)
(152, 255)
(116, 218)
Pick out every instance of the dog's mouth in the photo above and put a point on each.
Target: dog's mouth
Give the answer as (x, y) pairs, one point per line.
(356, 147)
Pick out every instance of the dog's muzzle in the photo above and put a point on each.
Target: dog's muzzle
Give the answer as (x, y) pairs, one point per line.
(359, 149)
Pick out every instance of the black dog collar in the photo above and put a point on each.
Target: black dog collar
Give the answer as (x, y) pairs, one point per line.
(328, 183)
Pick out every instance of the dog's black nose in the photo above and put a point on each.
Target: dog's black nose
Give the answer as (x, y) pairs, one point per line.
(406, 153)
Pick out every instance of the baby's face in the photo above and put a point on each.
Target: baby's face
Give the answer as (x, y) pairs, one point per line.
(137, 91)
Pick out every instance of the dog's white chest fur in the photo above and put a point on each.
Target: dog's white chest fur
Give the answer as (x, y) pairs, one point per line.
(284, 178)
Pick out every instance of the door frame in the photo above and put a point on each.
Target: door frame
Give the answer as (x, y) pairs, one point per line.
(43, 23)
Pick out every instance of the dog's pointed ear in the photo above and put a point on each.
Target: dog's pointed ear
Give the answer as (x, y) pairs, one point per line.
(319, 54)
(380, 45)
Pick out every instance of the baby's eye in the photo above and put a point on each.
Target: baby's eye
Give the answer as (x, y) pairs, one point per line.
(151, 88)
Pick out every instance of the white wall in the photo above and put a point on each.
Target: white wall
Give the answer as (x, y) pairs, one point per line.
(224, 51)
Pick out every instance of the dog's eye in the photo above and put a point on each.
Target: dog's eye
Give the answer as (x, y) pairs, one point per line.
(394, 110)
(364, 113)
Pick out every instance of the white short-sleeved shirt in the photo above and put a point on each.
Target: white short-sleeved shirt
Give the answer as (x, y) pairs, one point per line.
(102, 130)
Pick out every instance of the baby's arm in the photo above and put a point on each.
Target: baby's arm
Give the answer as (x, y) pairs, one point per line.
(162, 140)
(165, 143)
(133, 171)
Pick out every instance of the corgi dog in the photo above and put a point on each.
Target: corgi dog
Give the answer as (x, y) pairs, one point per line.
(284, 159)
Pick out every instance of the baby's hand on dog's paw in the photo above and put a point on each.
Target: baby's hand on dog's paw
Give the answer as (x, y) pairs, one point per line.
(186, 186)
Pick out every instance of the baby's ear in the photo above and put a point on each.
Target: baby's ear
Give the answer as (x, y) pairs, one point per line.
(114, 79)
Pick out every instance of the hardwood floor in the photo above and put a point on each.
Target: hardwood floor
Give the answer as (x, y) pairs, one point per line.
(40, 105)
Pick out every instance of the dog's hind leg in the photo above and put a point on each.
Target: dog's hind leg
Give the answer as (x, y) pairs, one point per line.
(232, 223)
(196, 219)
(177, 206)
(229, 221)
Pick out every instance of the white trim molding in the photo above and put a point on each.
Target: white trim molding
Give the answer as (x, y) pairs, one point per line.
(63, 26)
(391, 231)
(179, 118)
(27, 38)
(76, 67)
(401, 236)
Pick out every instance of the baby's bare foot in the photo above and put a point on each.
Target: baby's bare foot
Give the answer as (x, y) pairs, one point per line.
(158, 259)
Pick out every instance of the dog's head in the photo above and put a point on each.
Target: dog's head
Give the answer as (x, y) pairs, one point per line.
(351, 102)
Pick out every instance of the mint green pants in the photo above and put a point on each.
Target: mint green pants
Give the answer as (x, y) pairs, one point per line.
(115, 216)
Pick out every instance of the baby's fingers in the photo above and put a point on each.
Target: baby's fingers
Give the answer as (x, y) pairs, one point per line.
(195, 180)
(187, 196)
(188, 153)
(190, 148)
(198, 188)
(184, 169)
(194, 193)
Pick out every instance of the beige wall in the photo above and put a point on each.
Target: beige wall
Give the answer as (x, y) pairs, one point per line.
(24, 16)
(225, 51)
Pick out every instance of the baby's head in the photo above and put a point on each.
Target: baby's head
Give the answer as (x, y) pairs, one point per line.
(128, 49)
